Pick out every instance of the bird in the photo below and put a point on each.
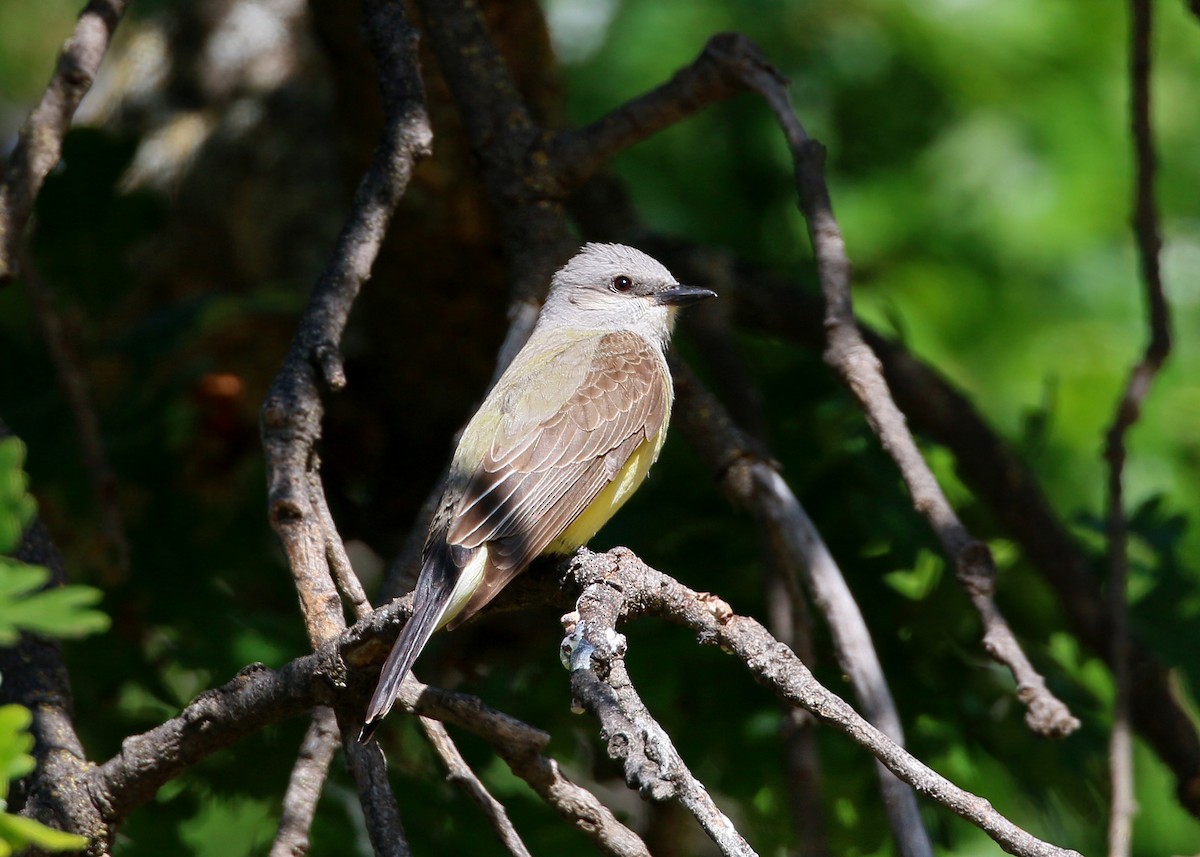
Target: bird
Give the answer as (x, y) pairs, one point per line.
(565, 436)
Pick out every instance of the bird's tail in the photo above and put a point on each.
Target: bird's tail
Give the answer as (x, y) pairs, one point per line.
(432, 597)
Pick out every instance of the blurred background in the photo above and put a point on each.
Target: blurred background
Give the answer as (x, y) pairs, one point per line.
(981, 169)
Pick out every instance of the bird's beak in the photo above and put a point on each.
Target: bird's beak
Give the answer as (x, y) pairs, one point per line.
(678, 295)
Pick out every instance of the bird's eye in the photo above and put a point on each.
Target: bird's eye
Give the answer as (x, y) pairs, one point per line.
(622, 284)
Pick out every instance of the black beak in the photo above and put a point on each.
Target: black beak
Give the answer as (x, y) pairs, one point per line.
(682, 295)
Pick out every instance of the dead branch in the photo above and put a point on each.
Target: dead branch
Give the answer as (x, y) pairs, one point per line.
(616, 587)
(305, 785)
(750, 479)
(459, 772)
(39, 146)
(771, 304)
(594, 653)
(1149, 245)
(292, 412)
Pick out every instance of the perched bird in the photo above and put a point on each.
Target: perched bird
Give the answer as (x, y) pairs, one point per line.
(559, 444)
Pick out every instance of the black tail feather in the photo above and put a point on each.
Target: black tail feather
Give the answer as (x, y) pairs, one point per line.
(429, 603)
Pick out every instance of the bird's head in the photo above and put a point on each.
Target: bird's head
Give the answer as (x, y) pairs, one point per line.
(612, 287)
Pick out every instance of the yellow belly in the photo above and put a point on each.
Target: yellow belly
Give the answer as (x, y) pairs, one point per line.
(610, 499)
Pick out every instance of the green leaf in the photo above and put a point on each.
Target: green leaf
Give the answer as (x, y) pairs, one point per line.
(15, 743)
(21, 832)
(17, 507)
(63, 611)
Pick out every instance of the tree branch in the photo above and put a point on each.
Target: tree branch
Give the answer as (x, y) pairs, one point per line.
(1149, 245)
(617, 587)
(859, 368)
(847, 352)
(39, 146)
(292, 412)
(997, 475)
(750, 479)
(459, 772)
(305, 785)
(594, 653)
(34, 676)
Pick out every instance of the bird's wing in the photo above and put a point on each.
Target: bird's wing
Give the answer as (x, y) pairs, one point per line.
(532, 484)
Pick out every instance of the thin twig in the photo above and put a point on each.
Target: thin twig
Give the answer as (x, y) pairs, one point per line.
(617, 586)
(338, 560)
(39, 146)
(305, 785)
(73, 381)
(1149, 245)
(458, 771)
(521, 746)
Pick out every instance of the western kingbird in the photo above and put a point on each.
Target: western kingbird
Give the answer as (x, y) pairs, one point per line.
(559, 444)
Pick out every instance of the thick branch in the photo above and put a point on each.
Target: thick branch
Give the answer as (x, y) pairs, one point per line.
(216, 719)
(617, 587)
(39, 146)
(504, 139)
(594, 653)
(291, 414)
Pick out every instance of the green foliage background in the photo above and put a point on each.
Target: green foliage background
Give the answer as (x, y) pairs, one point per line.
(981, 170)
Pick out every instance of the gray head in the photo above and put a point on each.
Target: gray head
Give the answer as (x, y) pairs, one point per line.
(612, 287)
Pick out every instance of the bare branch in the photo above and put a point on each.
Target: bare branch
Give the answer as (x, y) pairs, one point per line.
(521, 746)
(39, 146)
(1149, 245)
(369, 769)
(305, 785)
(773, 305)
(697, 85)
(617, 587)
(75, 388)
(859, 368)
(578, 154)
(750, 479)
(292, 412)
(336, 558)
(458, 771)
(216, 719)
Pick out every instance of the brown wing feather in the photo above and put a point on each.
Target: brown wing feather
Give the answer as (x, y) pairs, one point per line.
(524, 496)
